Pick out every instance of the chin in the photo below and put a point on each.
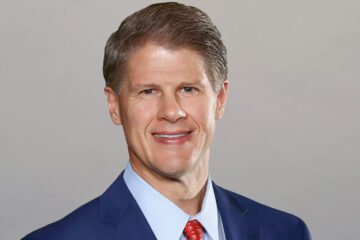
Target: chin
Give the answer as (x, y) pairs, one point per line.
(174, 168)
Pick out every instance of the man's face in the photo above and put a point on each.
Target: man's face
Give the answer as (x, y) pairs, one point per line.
(168, 110)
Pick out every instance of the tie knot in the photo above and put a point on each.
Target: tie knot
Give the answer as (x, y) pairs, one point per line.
(193, 230)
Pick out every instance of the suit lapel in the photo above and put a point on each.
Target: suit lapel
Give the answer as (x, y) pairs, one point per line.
(237, 225)
(119, 208)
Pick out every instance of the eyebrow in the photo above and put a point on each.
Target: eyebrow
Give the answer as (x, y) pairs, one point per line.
(198, 83)
(149, 84)
(143, 85)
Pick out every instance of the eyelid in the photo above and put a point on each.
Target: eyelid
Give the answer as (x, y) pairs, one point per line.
(145, 90)
(192, 87)
(194, 90)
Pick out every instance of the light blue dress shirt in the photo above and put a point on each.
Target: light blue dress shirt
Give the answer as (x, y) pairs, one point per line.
(167, 220)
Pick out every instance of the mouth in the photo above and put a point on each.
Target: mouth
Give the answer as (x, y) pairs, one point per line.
(177, 137)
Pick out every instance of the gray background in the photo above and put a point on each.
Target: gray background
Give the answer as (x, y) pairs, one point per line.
(290, 136)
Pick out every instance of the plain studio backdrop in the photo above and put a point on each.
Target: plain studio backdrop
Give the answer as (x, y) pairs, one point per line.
(290, 136)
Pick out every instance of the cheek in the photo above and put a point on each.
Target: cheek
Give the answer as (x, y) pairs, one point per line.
(202, 112)
(137, 116)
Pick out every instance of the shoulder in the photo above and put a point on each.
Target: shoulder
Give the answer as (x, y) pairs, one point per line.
(93, 220)
(257, 208)
(79, 223)
(260, 218)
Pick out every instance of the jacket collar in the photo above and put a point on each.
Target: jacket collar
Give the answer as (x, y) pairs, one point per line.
(117, 204)
(235, 215)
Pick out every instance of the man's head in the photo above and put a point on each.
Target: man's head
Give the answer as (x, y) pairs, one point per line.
(165, 70)
(171, 25)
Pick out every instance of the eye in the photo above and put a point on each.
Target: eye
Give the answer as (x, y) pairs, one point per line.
(148, 91)
(189, 90)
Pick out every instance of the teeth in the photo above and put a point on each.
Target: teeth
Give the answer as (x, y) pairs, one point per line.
(170, 135)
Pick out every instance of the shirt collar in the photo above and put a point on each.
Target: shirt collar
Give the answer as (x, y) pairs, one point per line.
(158, 210)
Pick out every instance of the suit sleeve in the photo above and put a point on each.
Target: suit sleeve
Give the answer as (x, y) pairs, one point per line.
(305, 231)
(28, 238)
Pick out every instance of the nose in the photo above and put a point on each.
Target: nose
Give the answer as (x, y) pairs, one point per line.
(170, 109)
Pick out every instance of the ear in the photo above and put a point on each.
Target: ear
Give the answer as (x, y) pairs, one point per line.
(113, 105)
(221, 99)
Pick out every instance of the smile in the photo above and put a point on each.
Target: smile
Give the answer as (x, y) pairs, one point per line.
(172, 138)
(171, 135)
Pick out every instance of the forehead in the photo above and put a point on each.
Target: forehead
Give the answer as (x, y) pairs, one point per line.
(154, 62)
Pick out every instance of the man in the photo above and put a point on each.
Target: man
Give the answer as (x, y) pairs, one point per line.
(165, 70)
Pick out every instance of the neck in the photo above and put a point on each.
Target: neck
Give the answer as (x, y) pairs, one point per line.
(186, 195)
(186, 190)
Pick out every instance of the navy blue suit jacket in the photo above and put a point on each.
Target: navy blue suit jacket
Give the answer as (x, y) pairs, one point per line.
(115, 215)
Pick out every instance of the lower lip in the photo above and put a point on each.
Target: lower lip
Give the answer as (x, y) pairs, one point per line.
(173, 141)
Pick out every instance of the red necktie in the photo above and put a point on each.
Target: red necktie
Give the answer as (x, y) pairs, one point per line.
(193, 230)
